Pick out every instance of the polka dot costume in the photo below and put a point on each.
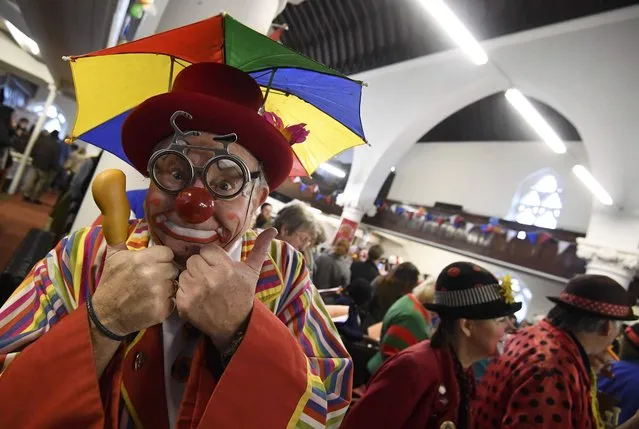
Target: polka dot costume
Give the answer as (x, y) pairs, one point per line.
(540, 381)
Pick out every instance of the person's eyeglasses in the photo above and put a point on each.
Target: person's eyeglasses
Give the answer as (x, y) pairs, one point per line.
(304, 238)
(225, 175)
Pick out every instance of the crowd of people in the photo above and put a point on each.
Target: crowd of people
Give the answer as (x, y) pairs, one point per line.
(53, 163)
(450, 353)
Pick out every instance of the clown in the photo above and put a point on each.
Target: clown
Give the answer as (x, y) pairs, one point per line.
(194, 321)
(546, 377)
(429, 385)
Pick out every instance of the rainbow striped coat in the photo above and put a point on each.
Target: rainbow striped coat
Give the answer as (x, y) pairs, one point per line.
(291, 369)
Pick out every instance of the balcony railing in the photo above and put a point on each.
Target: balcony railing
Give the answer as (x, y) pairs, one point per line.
(548, 251)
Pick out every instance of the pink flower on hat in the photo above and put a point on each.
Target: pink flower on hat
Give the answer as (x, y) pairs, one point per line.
(293, 133)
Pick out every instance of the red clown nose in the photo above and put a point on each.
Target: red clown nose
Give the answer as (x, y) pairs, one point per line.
(194, 205)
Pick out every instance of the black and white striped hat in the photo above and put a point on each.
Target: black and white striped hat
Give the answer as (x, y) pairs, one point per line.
(465, 290)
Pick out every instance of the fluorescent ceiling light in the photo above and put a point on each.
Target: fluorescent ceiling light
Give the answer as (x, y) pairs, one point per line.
(592, 184)
(456, 30)
(535, 120)
(22, 39)
(329, 168)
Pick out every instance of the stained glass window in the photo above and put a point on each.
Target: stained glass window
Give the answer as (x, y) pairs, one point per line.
(539, 204)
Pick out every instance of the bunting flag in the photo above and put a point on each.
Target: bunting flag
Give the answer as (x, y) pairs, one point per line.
(410, 214)
(532, 237)
(297, 179)
(544, 237)
(318, 196)
(399, 209)
(493, 221)
(510, 234)
(487, 229)
(329, 199)
(562, 246)
(303, 187)
(469, 226)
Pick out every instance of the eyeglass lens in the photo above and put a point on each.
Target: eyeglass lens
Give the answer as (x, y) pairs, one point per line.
(172, 172)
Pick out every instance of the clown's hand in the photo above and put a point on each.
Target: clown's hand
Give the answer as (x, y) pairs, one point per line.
(136, 288)
(216, 293)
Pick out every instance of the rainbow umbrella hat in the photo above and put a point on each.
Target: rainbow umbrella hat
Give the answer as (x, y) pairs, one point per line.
(111, 82)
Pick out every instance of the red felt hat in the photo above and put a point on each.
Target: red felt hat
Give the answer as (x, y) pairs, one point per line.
(222, 100)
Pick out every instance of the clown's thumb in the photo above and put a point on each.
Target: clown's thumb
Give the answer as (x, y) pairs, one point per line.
(255, 259)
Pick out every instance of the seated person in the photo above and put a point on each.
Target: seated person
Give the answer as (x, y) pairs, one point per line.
(407, 322)
(355, 296)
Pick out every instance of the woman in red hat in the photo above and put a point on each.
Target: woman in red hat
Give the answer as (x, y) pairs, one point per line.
(544, 378)
(102, 336)
(430, 385)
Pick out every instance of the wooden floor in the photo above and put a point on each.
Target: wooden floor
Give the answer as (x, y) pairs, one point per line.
(17, 218)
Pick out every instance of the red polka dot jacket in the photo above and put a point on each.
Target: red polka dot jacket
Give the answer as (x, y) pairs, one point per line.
(541, 381)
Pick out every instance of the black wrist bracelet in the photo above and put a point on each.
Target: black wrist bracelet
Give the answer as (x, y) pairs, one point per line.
(103, 329)
(236, 340)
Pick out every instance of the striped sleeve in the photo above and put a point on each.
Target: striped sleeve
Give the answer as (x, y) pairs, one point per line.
(330, 367)
(402, 333)
(54, 288)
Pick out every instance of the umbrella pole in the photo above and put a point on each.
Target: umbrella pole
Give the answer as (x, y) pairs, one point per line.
(32, 139)
(268, 89)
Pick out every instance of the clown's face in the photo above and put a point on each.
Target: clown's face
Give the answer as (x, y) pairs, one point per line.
(194, 218)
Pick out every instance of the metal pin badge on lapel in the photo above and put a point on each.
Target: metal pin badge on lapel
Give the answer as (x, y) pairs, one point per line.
(447, 425)
(442, 394)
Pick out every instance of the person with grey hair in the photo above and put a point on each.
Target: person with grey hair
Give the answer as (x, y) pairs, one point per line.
(546, 376)
(319, 237)
(296, 226)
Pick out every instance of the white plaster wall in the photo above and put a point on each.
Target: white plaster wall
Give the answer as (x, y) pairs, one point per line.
(484, 177)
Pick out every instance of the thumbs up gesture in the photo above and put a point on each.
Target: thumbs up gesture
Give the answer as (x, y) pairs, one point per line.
(136, 288)
(216, 293)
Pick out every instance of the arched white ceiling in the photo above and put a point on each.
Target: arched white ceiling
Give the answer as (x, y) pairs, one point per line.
(585, 69)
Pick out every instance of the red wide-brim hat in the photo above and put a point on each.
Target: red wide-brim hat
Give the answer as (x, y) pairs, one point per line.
(222, 100)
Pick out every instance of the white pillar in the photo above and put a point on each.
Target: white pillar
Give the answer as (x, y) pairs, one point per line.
(611, 245)
(34, 137)
(352, 215)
